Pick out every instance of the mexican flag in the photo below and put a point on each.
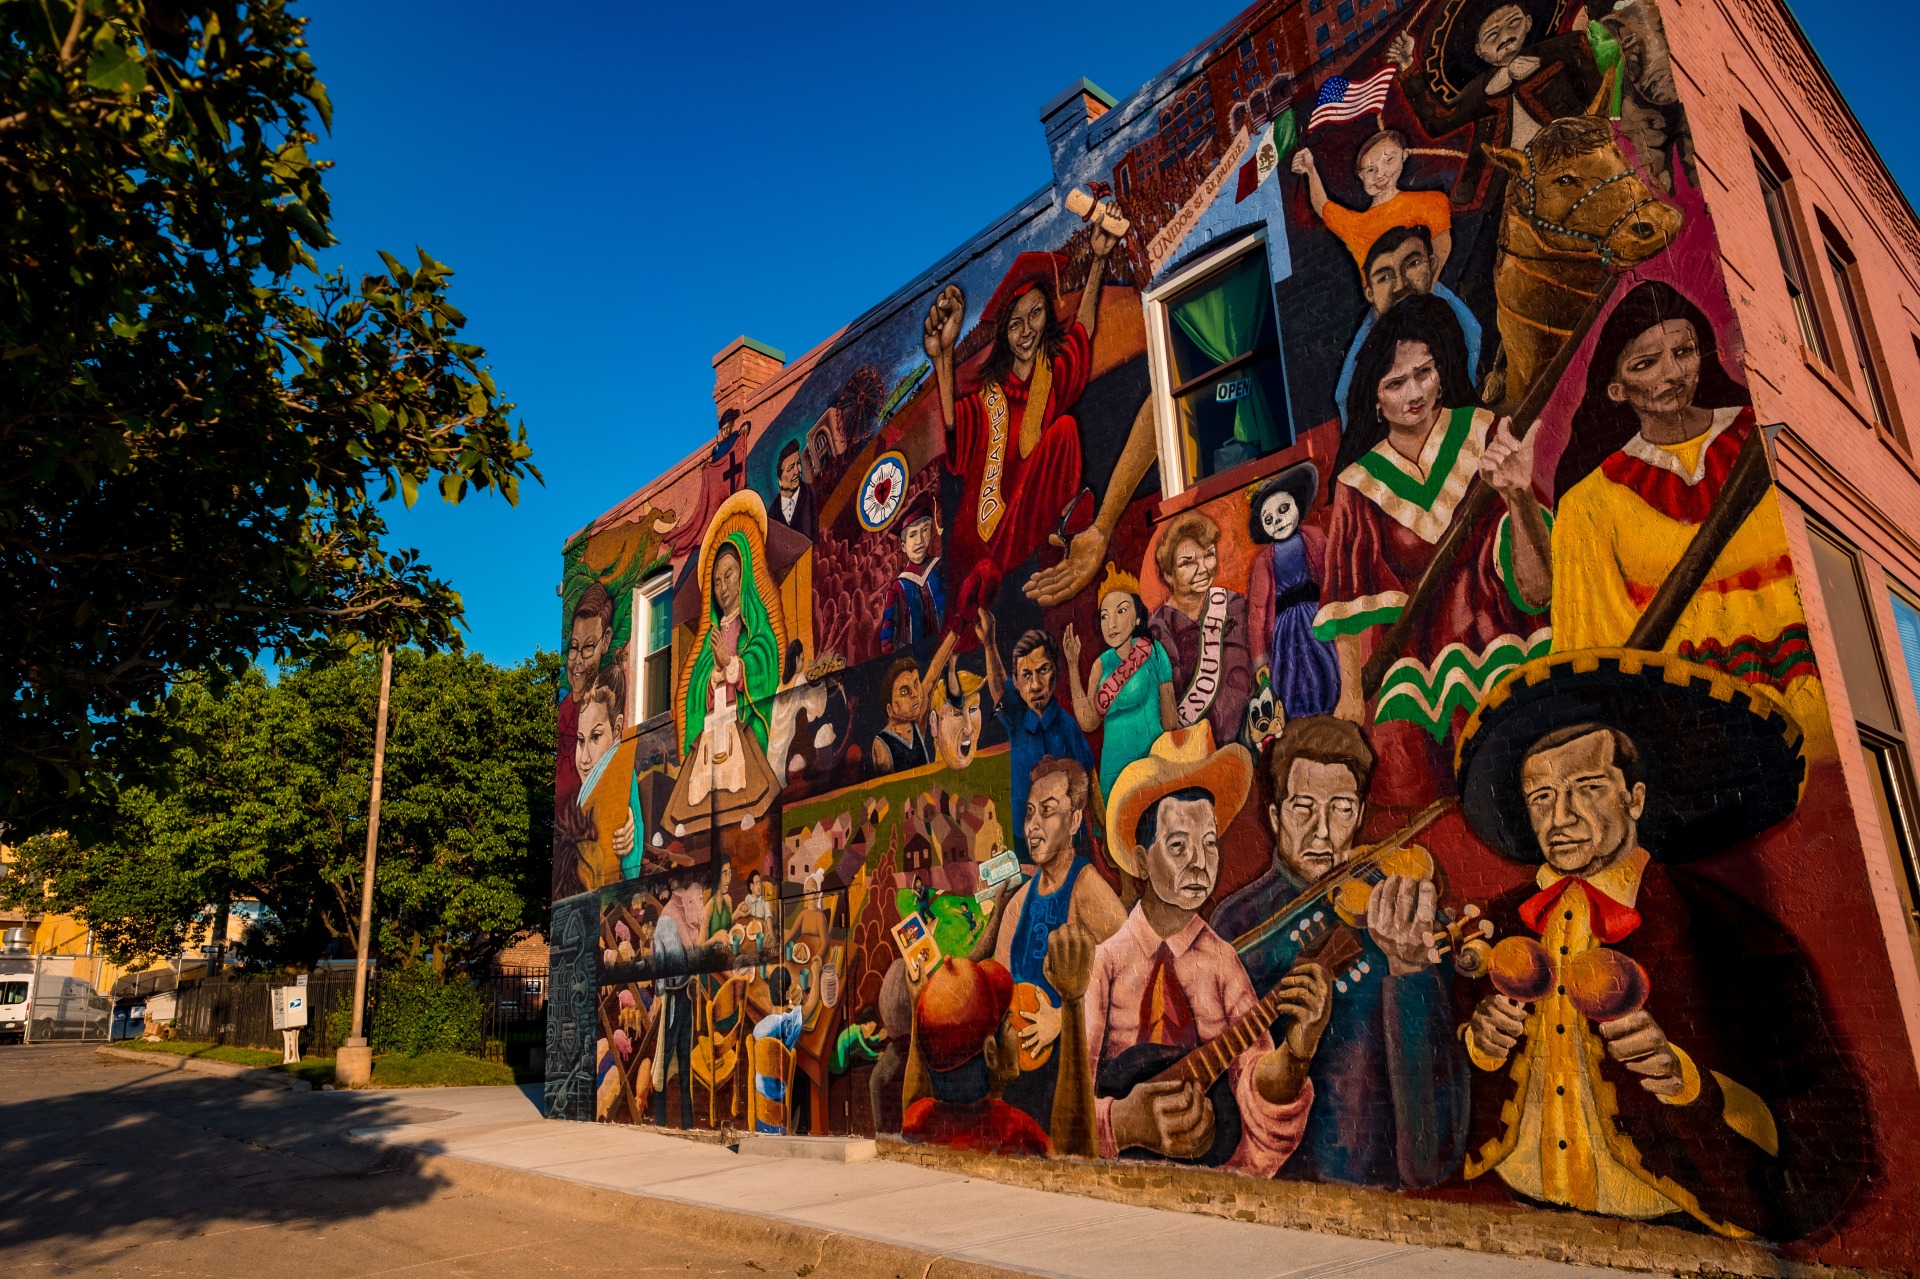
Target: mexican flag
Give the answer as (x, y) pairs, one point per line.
(1277, 141)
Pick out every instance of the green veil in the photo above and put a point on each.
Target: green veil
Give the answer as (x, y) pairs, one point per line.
(759, 655)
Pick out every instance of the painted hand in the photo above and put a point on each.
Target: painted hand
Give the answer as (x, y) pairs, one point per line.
(1400, 50)
(1172, 1118)
(942, 327)
(1042, 1028)
(623, 838)
(1103, 240)
(1070, 646)
(1400, 919)
(1085, 554)
(1637, 1042)
(1308, 1001)
(1070, 961)
(1507, 463)
(1302, 162)
(1497, 1024)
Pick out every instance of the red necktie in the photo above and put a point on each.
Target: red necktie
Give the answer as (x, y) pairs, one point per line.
(1611, 921)
(1165, 1015)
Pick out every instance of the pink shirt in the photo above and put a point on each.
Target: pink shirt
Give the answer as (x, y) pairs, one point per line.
(1217, 989)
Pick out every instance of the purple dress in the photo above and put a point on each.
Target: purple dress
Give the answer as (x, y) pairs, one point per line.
(1306, 670)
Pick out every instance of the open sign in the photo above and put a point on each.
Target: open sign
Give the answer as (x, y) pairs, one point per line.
(1234, 389)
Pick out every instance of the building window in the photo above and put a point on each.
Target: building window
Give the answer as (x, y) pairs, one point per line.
(1345, 12)
(1863, 672)
(1315, 6)
(1322, 34)
(1220, 389)
(1847, 294)
(653, 615)
(1773, 191)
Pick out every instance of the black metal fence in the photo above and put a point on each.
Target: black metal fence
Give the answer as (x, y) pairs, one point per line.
(238, 1011)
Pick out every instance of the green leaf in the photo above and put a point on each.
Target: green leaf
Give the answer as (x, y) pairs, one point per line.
(109, 66)
(409, 489)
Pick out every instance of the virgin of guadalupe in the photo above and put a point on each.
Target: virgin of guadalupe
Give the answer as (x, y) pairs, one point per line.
(729, 685)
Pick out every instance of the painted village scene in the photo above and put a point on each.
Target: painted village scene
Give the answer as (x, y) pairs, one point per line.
(1281, 658)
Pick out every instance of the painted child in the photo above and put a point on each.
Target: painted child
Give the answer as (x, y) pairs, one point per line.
(1133, 700)
(1283, 594)
(917, 600)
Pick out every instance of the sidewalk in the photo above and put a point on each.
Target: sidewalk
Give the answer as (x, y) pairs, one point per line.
(932, 1214)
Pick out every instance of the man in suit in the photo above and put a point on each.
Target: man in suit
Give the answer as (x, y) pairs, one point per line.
(793, 505)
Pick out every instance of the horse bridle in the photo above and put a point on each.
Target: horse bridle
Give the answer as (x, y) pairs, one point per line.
(1601, 249)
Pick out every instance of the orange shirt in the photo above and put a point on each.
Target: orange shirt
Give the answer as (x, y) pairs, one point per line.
(1430, 209)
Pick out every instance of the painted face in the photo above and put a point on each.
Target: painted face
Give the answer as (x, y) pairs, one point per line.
(1503, 35)
(596, 735)
(1193, 568)
(1052, 820)
(917, 541)
(902, 704)
(790, 474)
(1280, 516)
(1184, 860)
(585, 648)
(1033, 675)
(1659, 371)
(1583, 812)
(956, 731)
(1026, 323)
(1313, 825)
(1400, 273)
(1409, 394)
(726, 582)
(1117, 618)
(1379, 167)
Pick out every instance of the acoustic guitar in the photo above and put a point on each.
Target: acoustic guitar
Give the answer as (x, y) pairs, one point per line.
(1335, 946)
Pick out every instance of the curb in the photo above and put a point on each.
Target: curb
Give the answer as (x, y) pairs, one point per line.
(254, 1075)
(768, 1242)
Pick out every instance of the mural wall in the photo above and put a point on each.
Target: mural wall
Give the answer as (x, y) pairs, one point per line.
(1290, 662)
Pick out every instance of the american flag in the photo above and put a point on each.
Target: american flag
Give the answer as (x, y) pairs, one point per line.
(1342, 99)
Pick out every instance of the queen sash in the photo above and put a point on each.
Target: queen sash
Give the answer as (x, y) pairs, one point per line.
(1205, 684)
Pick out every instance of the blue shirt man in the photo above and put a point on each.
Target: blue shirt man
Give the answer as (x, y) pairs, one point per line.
(1400, 263)
(1037, 725)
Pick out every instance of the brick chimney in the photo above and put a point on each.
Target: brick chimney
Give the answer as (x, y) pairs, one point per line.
(1066, 118)
(743, 367)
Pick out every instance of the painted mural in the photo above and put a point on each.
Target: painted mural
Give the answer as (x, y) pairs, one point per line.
(1288, 662)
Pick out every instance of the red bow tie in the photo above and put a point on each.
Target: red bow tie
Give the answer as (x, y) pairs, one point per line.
(1611, 921)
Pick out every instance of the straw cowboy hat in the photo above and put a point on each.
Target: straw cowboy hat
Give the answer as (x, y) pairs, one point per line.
(1722, 759)
(1180, 759)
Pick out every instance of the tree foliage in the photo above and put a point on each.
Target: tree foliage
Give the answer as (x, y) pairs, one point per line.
(196, 425)
(262, 793)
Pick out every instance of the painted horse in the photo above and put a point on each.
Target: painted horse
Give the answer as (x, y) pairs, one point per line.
(1576, 212)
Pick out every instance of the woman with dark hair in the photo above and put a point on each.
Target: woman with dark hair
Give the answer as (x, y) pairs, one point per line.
(1415, 442)
(1283, 594)
(1662, 423)
(1134, 699)
(1012, 440)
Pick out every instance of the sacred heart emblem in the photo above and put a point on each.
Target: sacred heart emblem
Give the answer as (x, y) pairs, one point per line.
(883, 491)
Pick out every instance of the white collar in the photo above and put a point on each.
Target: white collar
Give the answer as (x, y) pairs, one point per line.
(1645, 450)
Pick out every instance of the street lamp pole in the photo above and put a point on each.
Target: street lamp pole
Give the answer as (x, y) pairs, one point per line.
(353, 1060)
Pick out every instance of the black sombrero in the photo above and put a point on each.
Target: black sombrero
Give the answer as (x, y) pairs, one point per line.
(1722, 759)
(1451, 64)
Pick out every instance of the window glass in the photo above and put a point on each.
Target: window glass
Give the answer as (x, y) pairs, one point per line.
(1906, 620)
(1857, 330)
(1853, 633)
(1774, 193)
(656, 675)
(13, 992)
(1229, 393)
(1884, 763)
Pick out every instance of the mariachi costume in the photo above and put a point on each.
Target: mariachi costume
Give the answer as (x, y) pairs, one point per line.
(1766, 1136)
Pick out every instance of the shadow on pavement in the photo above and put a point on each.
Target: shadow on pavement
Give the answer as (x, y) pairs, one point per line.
(94, 1145)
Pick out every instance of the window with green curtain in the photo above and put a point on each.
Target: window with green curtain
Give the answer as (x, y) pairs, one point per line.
(1227, 373)
(657, 662)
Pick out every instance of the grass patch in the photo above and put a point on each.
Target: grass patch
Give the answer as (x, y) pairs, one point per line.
(428, 1070)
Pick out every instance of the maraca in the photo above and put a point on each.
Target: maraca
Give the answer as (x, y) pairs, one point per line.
(1519, 969)
(1605, 984)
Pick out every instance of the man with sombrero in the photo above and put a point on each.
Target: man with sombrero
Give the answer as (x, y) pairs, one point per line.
(1168, 979)
(1704, 1082)
(1012, 440)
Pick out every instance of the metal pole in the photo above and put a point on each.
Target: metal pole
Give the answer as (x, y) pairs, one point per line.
(354, 1063)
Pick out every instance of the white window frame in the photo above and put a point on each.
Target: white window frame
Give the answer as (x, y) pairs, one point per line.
(655, 592)
(1174, 479)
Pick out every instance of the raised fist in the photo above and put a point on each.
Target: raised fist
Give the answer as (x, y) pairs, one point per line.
(942, 329)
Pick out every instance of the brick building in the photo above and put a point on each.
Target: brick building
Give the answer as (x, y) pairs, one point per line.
(1424, 650)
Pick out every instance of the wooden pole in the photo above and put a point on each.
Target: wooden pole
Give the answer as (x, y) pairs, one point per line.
(358, 1040)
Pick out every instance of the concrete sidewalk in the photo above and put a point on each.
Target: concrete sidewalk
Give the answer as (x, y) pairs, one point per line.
(935, 1216)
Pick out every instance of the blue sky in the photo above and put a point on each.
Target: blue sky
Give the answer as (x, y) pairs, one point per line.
(623, 189)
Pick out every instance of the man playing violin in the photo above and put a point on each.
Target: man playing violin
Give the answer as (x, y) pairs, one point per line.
(1392, 1085)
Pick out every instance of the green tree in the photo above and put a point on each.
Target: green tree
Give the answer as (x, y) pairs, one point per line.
(197, 426)
(263, 791)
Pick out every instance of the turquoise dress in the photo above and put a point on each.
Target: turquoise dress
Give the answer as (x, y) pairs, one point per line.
(1133, 721)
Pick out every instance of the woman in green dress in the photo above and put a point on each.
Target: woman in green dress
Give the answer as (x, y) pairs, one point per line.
(738, 660)
(1133, 700)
